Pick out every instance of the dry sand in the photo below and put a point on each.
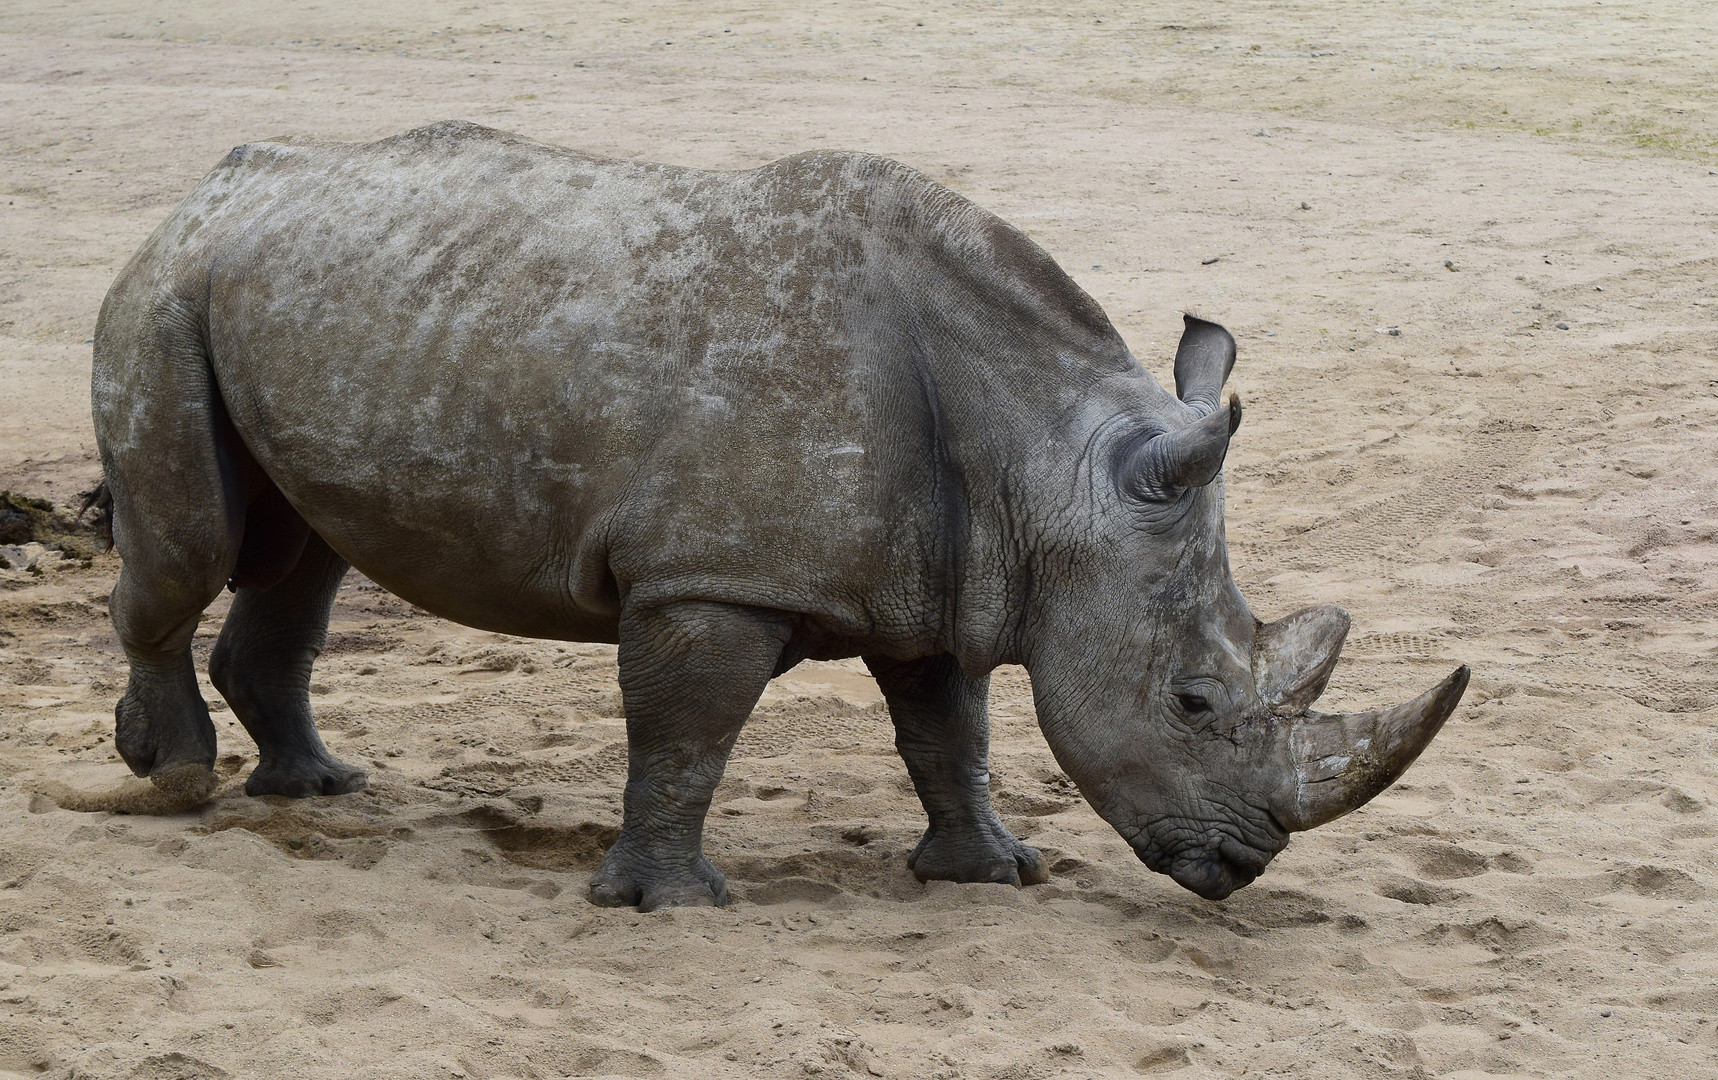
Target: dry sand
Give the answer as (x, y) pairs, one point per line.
(1536, 898)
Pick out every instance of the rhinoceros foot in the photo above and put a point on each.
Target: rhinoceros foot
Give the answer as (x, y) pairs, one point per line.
(989, 854)
(305, 776)
(624, 880)
(162, 730)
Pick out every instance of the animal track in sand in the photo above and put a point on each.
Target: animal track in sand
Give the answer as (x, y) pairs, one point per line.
(1659, 882)
(1410, 891)
(305, 830)
(1280, 909)
(876, 869)
(564, 848)
(790, 890)
(177, 1066)
(1447, 861)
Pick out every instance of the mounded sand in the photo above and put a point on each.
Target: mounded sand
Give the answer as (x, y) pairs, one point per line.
(1408, 203)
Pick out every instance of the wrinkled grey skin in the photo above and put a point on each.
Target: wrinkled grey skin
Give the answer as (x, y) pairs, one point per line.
(731, 421)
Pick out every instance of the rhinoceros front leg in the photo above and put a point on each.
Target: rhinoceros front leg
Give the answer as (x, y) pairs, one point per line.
(690, 674)
(942, 729)
(261, 665)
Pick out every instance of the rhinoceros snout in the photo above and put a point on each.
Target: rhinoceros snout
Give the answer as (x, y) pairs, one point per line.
(1212, 866)
(1212, 876)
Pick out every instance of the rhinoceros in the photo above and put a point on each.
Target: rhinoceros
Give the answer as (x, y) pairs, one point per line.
(820, 409)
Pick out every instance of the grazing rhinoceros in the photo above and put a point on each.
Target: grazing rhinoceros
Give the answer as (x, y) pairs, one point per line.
(730, 421)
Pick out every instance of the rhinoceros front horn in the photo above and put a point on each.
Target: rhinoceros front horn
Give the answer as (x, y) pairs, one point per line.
(1339, 762)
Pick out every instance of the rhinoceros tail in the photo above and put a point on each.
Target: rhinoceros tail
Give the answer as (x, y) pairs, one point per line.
(100, 499)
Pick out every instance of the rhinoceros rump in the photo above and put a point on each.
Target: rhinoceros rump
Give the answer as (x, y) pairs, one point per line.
(730, 421)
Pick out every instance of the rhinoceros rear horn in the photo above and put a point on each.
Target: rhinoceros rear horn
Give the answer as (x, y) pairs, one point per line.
(1294, 656)
(1203, 361)
(1160, 468)
(1339, 762)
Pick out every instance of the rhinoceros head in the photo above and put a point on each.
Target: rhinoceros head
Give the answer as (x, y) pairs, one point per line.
(1185, 720)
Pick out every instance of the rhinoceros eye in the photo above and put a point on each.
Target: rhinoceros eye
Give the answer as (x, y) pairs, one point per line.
(1192, 704)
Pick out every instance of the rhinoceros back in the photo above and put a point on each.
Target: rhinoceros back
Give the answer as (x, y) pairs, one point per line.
(518, 384)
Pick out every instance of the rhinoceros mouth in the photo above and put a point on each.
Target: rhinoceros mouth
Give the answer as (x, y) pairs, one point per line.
(1213, 865)
(1211, 875)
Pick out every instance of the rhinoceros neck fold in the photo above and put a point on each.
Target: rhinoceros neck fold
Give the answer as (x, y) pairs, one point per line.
(997, 375)
(1011, 431)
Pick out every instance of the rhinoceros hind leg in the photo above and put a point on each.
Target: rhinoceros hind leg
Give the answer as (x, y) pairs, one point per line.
(261, 665)
(172, 495)
(162, 727)
(942, 729)
(690, 674)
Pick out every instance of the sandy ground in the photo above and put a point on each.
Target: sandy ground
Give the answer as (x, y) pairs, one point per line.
(1409, 203)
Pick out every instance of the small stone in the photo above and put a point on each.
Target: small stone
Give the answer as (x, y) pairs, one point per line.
(1208, 262)
(1604, 1012)
(1395, 331)
(1450, 266)
(1306, 206)
(1562, 326)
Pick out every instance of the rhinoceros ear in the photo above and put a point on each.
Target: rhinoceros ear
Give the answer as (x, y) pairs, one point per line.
(1160, 468)
(1203, 361)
